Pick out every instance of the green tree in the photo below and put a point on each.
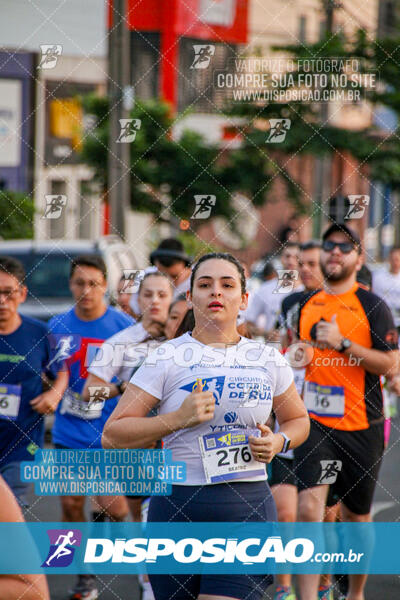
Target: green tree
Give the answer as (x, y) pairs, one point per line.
(312, 133)
(16, 215)
(189, 166)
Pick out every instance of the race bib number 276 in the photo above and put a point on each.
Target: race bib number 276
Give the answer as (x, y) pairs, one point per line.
(227, 456)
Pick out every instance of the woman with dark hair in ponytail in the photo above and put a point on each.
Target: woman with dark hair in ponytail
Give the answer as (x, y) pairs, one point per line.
(196, 380)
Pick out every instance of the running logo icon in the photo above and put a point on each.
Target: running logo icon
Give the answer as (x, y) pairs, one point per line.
(62, 547)
(330, 469)
(63, 349)
(204, 205)
(55, 204)
(286, 281)
(97, 393)
(358, 204)
(50, 54)
(132, 280)
(278, 131)
(129, 128)
(211, 384)
(202, 55)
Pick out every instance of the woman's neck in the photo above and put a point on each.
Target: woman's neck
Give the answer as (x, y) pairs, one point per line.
(216, 335)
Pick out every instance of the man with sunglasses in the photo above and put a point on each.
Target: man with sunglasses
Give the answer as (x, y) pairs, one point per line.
(354, 342)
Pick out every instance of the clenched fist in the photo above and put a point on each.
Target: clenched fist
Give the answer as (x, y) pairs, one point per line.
(197, 408)
(265, 447)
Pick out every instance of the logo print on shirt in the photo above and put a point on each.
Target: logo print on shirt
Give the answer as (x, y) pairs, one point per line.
(230, 417)
(209, 384)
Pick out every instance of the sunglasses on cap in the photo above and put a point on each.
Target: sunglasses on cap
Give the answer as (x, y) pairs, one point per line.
(344, 247)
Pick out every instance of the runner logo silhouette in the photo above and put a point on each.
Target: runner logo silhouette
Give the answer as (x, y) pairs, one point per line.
(55, 204)
(132, 280)
(204, 205)
(286, 279)
(63, 349)
(330, 469)
(50, 54)
(62, 547)
(207, 384)
(202, 55)
(278, 131)
(97, 394)
(358, 204)
(129, 128)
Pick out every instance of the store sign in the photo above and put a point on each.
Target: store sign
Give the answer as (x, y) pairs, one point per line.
(218, 12)
(10, 122)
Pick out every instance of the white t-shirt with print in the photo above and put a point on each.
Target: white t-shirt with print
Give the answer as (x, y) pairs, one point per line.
(387, 286)
(244, 379)
(122, 354)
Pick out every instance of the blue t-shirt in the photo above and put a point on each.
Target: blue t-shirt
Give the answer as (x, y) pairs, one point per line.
(77, 424)
(24, 355)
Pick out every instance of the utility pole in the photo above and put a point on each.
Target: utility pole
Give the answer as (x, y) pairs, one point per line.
(322, 167)
(119, 62)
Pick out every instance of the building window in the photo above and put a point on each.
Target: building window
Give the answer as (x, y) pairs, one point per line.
(57, 226)
(146, 58)
(388, 18)
(64, 121)
(86, 208)
(389, 15)
(196, 88)
(303, 29)
(338, 208)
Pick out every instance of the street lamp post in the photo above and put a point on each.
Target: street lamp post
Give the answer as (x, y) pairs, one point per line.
(118, 84)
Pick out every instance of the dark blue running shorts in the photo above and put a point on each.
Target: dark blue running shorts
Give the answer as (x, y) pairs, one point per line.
(233, 502)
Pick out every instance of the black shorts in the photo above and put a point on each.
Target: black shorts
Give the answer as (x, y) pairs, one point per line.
(226, 502)
(281, 471)
(348, 461)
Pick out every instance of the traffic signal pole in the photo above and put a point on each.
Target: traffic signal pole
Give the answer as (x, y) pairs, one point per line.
(118, 169)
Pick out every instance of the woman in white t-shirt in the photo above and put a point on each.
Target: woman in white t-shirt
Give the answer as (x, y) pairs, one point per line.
(214, 391)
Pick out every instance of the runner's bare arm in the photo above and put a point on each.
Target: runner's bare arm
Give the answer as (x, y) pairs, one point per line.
(377, 362)
(292, 417)
(374, 361)
(48, 401)
(14, 587)
(128, 426)
(293, 421)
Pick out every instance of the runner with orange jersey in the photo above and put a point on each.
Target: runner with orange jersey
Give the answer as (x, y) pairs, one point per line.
(353, 341)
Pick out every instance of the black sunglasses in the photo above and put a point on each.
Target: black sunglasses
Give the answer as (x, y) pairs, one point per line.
(344, 247)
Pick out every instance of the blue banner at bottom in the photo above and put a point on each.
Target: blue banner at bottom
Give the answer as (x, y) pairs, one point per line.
(251, 548)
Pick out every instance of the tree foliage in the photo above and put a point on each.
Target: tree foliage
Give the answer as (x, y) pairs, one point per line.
(310, 134)
(189, 166)
(16, 215)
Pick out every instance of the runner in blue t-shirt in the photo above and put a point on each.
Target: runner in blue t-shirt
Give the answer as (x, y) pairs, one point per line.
(25, 354)
(78, 424)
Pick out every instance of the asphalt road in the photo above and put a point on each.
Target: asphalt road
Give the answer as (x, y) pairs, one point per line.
(122, 587)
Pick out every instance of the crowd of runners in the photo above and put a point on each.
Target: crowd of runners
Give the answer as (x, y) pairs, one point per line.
(295, 368)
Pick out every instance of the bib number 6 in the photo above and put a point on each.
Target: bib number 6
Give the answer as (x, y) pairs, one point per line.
(3, 402)
(321, 401)
(226, 455)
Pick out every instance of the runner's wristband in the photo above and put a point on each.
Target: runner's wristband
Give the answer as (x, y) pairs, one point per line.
(286, 443)
(121, 387)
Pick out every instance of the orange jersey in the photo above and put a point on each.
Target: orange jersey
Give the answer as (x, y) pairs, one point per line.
(338, 391)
